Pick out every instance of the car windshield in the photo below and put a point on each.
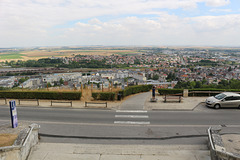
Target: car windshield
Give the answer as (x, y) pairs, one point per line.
(220, 96)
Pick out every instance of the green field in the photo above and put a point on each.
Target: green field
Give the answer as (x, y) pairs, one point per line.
(12, 55)
(44, 53)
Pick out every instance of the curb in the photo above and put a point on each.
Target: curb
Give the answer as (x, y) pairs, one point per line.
(122, 138)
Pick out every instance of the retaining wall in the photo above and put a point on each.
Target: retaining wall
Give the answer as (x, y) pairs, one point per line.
(22, 146)
(217, 150)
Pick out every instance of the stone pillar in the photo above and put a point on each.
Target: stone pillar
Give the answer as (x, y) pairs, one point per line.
(185, 93)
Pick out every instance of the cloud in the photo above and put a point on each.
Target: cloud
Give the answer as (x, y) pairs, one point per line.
(216, 23)
(217, 3)
(217, 10)
(163, 30)
(106, 22)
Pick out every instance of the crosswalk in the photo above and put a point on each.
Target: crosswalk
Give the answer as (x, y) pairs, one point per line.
(133, 117)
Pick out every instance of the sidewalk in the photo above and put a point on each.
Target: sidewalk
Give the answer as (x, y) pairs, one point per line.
(139, 101)
(187, 103)
(75, 104)
(135, 102)
(63, 151)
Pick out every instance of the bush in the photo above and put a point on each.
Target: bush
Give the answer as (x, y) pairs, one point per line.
(135, 89)
(177, 91)
(164, 91)
(211, 89)
(41, 95)
(126, 92)
(104, 96)
(205, 94)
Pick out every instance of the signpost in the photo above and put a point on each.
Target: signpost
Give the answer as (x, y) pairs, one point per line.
(13, 111)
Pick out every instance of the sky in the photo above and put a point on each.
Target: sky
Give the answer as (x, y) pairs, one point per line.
(32, 23)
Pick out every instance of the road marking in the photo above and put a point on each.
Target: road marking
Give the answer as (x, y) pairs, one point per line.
(131, 111)
(131, 116)
(130, 122)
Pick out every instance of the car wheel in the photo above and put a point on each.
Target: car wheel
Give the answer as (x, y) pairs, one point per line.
(217, 106)
(239, 107)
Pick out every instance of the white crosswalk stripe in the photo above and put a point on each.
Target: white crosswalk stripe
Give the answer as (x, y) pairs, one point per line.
(130, 122)
(131, 111)
(131, 114)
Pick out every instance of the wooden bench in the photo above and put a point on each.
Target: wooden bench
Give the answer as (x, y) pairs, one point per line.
(19, 100)
(86, 103)
(61, 102)
(172, 98)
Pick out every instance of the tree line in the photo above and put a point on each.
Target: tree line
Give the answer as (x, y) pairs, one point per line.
(59, 63)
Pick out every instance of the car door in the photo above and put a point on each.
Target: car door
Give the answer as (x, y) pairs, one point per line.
(228, 102)
(236, 100)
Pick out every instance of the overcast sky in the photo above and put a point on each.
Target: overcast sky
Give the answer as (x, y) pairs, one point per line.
(25, 23)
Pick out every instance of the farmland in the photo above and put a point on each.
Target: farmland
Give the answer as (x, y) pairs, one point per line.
(11, 55)
(34, 54)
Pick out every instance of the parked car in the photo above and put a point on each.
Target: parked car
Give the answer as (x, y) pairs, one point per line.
(225, 99)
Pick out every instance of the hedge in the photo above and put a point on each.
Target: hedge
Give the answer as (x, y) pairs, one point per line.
(41, 95)
(164, 91)
(135, 89)
(104, 96)
(126, 92)
(177, 91)
(204, 94)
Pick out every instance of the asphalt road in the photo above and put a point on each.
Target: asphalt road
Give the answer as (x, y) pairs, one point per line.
(132, 127)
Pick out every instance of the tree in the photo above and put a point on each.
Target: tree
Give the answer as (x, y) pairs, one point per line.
(198, 84)
(224, 83)
(49, 84)
(155, 77)
(61, 81)
(23, 80)
(204, 81)
(171, 76)
(229, 69)
(9, 74)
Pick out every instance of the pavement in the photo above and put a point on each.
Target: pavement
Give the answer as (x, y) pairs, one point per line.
(75, 104)
(142, 102)
(134, 102)
(62, 151)
(187, 103)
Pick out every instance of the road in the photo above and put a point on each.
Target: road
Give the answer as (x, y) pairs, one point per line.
(123, 126)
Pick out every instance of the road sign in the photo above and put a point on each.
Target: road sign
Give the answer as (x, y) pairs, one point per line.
(13, 111)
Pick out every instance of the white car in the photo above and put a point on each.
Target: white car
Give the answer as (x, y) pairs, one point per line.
(225, 99)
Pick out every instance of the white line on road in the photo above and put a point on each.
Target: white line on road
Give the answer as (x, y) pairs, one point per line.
(131, 111)
(130, 116)
(130, 122)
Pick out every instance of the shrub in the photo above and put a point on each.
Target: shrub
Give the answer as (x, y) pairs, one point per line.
(206, 93)
(126, 92)
(104, 96)
(211, 89)
(41, 95)
(177, 91)
(164, 91)
(135, 89)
